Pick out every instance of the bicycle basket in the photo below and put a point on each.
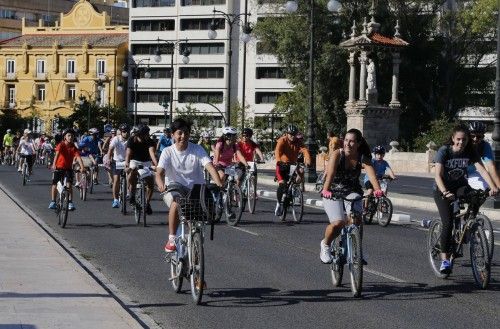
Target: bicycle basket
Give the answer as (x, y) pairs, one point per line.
(192, 207)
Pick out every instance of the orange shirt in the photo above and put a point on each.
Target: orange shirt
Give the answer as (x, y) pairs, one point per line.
(66, 155)
(335, 144)
(287, 151)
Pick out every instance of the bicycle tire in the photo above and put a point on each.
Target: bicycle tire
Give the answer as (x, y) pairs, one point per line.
(286, 202)
(297, 203)
(176, 277)
(356, 263)
(337, 266)
(24, 172)
(370, 210)
(123, 193)
(197, 264)
(91, 183)
(138, 204)
(234, 200)
(384, 211)
(252, 194)
(479, 257)
(63, 215)
(144, 205)
(433, 248)
(485, 222)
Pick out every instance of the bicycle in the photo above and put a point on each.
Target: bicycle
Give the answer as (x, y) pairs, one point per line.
(188, 261)
(25, 174)
(140, 205)
(232, 197)
(466, 229)
(380, 207)
(293, 194)
(122, 196)
(62, 201)
(83, 184)
(249, 187)
(347, 249)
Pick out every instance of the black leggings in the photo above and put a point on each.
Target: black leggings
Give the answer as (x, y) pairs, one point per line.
(445, 209)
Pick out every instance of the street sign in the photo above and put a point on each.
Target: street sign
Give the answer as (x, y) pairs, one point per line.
(107, 128)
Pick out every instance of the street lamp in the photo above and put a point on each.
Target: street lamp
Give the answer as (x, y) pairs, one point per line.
(185, 59)
(231, 19)
(165, 105)
(291, 7)
(496, 130)
(147, 75)
(82, 101)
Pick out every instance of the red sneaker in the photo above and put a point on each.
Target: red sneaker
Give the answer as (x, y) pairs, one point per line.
(170, 246)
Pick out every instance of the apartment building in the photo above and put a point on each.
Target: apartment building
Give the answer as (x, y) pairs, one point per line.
(205, 79)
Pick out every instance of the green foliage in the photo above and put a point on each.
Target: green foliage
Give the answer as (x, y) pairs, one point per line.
(191, 114)
(480, 16)
(439, 131)
(236, 116)
(10, 119)
(97, 115)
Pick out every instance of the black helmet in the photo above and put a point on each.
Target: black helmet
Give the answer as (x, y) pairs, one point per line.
(124, 127)
(379, 149)
(292, 129)
(142, 129)
(477, 127)
(248, 132)
(68, 131)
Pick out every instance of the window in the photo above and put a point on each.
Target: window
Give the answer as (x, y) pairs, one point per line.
(152, 97)
(201, 73)
(70, 66)
(40, 67)
(150, 49)
(157, 25)
(11, 66)
(156, 73)
(266, 97)
(204, 48)
(202, 2)
(71, 92)
(12, 93)
(270, 73)
(202, 24)
(153, 3)
(200, 97)
(101, 100)
(40, 92)
(101, 67)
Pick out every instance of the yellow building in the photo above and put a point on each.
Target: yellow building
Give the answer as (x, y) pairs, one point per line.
(45, 70)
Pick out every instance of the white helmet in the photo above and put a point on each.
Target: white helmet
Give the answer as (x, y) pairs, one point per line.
(205, 134)
(228, 131)
(93, 131)
(27, 131)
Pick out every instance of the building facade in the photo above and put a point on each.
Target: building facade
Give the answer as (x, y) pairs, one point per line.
(44, 71)
(256, 78)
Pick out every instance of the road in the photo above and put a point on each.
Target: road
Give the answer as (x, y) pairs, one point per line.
(266, 274)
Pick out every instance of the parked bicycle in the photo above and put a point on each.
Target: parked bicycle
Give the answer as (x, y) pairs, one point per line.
(466, 229)
(143, 173)
(293, 195)
(231, 201)
(188, 261)
(249, 186)
(62, 201)
(380, 208)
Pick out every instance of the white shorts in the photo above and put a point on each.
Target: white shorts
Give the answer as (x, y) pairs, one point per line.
(134, 164)
(337, 209)
(169, 197)
(477, 182)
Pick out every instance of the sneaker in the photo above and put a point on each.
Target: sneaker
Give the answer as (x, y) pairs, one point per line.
(325, 254)
(279, 209)
(170, 246)
(18, 169)
(77, 184)
(52, 205)
(149, 211)
(71, 206)
(445, 267)
(116, 204)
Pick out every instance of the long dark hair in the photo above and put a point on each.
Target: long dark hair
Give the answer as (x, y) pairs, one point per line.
(363, 148)
(469, 148)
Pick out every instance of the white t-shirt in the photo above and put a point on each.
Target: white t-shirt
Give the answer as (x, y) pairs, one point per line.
(184, 167)
(26, 146)
(119, 145)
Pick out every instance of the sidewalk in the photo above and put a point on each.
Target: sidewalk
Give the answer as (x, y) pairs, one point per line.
(42, 286)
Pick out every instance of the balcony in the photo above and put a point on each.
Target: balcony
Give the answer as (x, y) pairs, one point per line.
(101, 76)
(9, 76)
(40, 76)
(70, 76)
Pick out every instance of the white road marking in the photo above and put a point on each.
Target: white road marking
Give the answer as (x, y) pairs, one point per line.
(386, 276)
(243, 230)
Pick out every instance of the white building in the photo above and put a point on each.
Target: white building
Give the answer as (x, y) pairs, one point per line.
(205, 78)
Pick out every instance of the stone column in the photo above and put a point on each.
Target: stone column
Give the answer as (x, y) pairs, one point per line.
(363, 59)
(396, 60)
(352, 77)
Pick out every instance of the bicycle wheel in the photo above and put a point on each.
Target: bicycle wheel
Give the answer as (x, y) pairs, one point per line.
(138, 204)
(370, 210)
(252, 193)
(143, 204)
(479, 257)
(384, 211)
(485, 222)
(234, 205)
(91, 180)
(25, 172)
(197, 264)
(286, 202)
(356, 262)
(63, 215)
(123, 193)
(433, 248)
(297, 203)
(337, 266)
(176, 277)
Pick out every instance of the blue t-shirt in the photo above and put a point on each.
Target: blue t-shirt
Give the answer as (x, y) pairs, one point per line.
(165, 142)
(91, 144)
(380, 166)
(485, 153)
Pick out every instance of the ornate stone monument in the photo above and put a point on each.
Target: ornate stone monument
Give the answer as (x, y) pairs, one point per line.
(379, 124)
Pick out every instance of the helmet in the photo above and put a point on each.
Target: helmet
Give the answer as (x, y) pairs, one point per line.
(133, 130)
(68, 131)
(93, 131)
(142, 129)
(379, 149)
(8, 130)
(113, 131)
(167, 130)
(477, 127)
(248, 132)
(205, 134)
(27, 131)
(228, 131)
(124, 127)
(292, 129)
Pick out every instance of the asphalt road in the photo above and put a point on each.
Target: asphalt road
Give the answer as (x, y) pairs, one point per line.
(266, 274)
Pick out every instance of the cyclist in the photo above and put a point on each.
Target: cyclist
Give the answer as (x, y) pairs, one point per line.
(344, 169)
(116, 153)
(181, 164)
(15, 144)
(381, 167)
(104, 155)
(205, 142)
(26, 151)
(8, 143)
(226, 150)
(248, 147)
(93, 143)
(483, 148)
(140, 151)
(88, 160)
(66, 152)
(334, 143)
(451, 161)
(165, 140)
(286, 152)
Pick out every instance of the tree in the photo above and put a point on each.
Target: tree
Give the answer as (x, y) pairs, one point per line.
(98, 116)
(438, 132)
(10, 119)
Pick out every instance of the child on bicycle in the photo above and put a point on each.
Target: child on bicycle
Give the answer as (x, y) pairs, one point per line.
(381, 168)
(88, 160)
(66, 152)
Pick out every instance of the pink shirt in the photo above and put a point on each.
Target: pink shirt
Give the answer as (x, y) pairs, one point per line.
(226, 154)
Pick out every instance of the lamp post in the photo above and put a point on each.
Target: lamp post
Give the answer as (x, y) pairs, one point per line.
(311, 144)
(231, 19)
(82, 101)
(496, 130)
(147, 75)
(164, 104)
(185, 59)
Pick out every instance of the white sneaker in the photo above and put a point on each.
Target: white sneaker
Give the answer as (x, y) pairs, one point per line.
(325, 254)
(279, 209)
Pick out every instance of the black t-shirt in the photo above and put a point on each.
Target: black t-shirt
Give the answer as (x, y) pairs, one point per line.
(454, 166)
(140, 149)
(347, 179)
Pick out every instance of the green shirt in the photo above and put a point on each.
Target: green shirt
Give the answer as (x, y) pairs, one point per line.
(8, 140)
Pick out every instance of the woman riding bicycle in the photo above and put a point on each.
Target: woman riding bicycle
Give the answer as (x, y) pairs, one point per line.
(27, 151)
(342, 175)
(451, 161)
(226, 150)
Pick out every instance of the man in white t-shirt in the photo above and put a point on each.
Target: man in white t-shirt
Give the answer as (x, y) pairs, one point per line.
(117, 151)
(181, 163)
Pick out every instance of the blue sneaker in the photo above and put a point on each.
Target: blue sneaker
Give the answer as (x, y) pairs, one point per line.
(71, 206)
(445, 267)
(116, 204)
(52, 205)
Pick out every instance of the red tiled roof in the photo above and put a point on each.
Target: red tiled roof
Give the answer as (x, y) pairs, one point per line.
(67, 40)
(374, 39)
(387, 41)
